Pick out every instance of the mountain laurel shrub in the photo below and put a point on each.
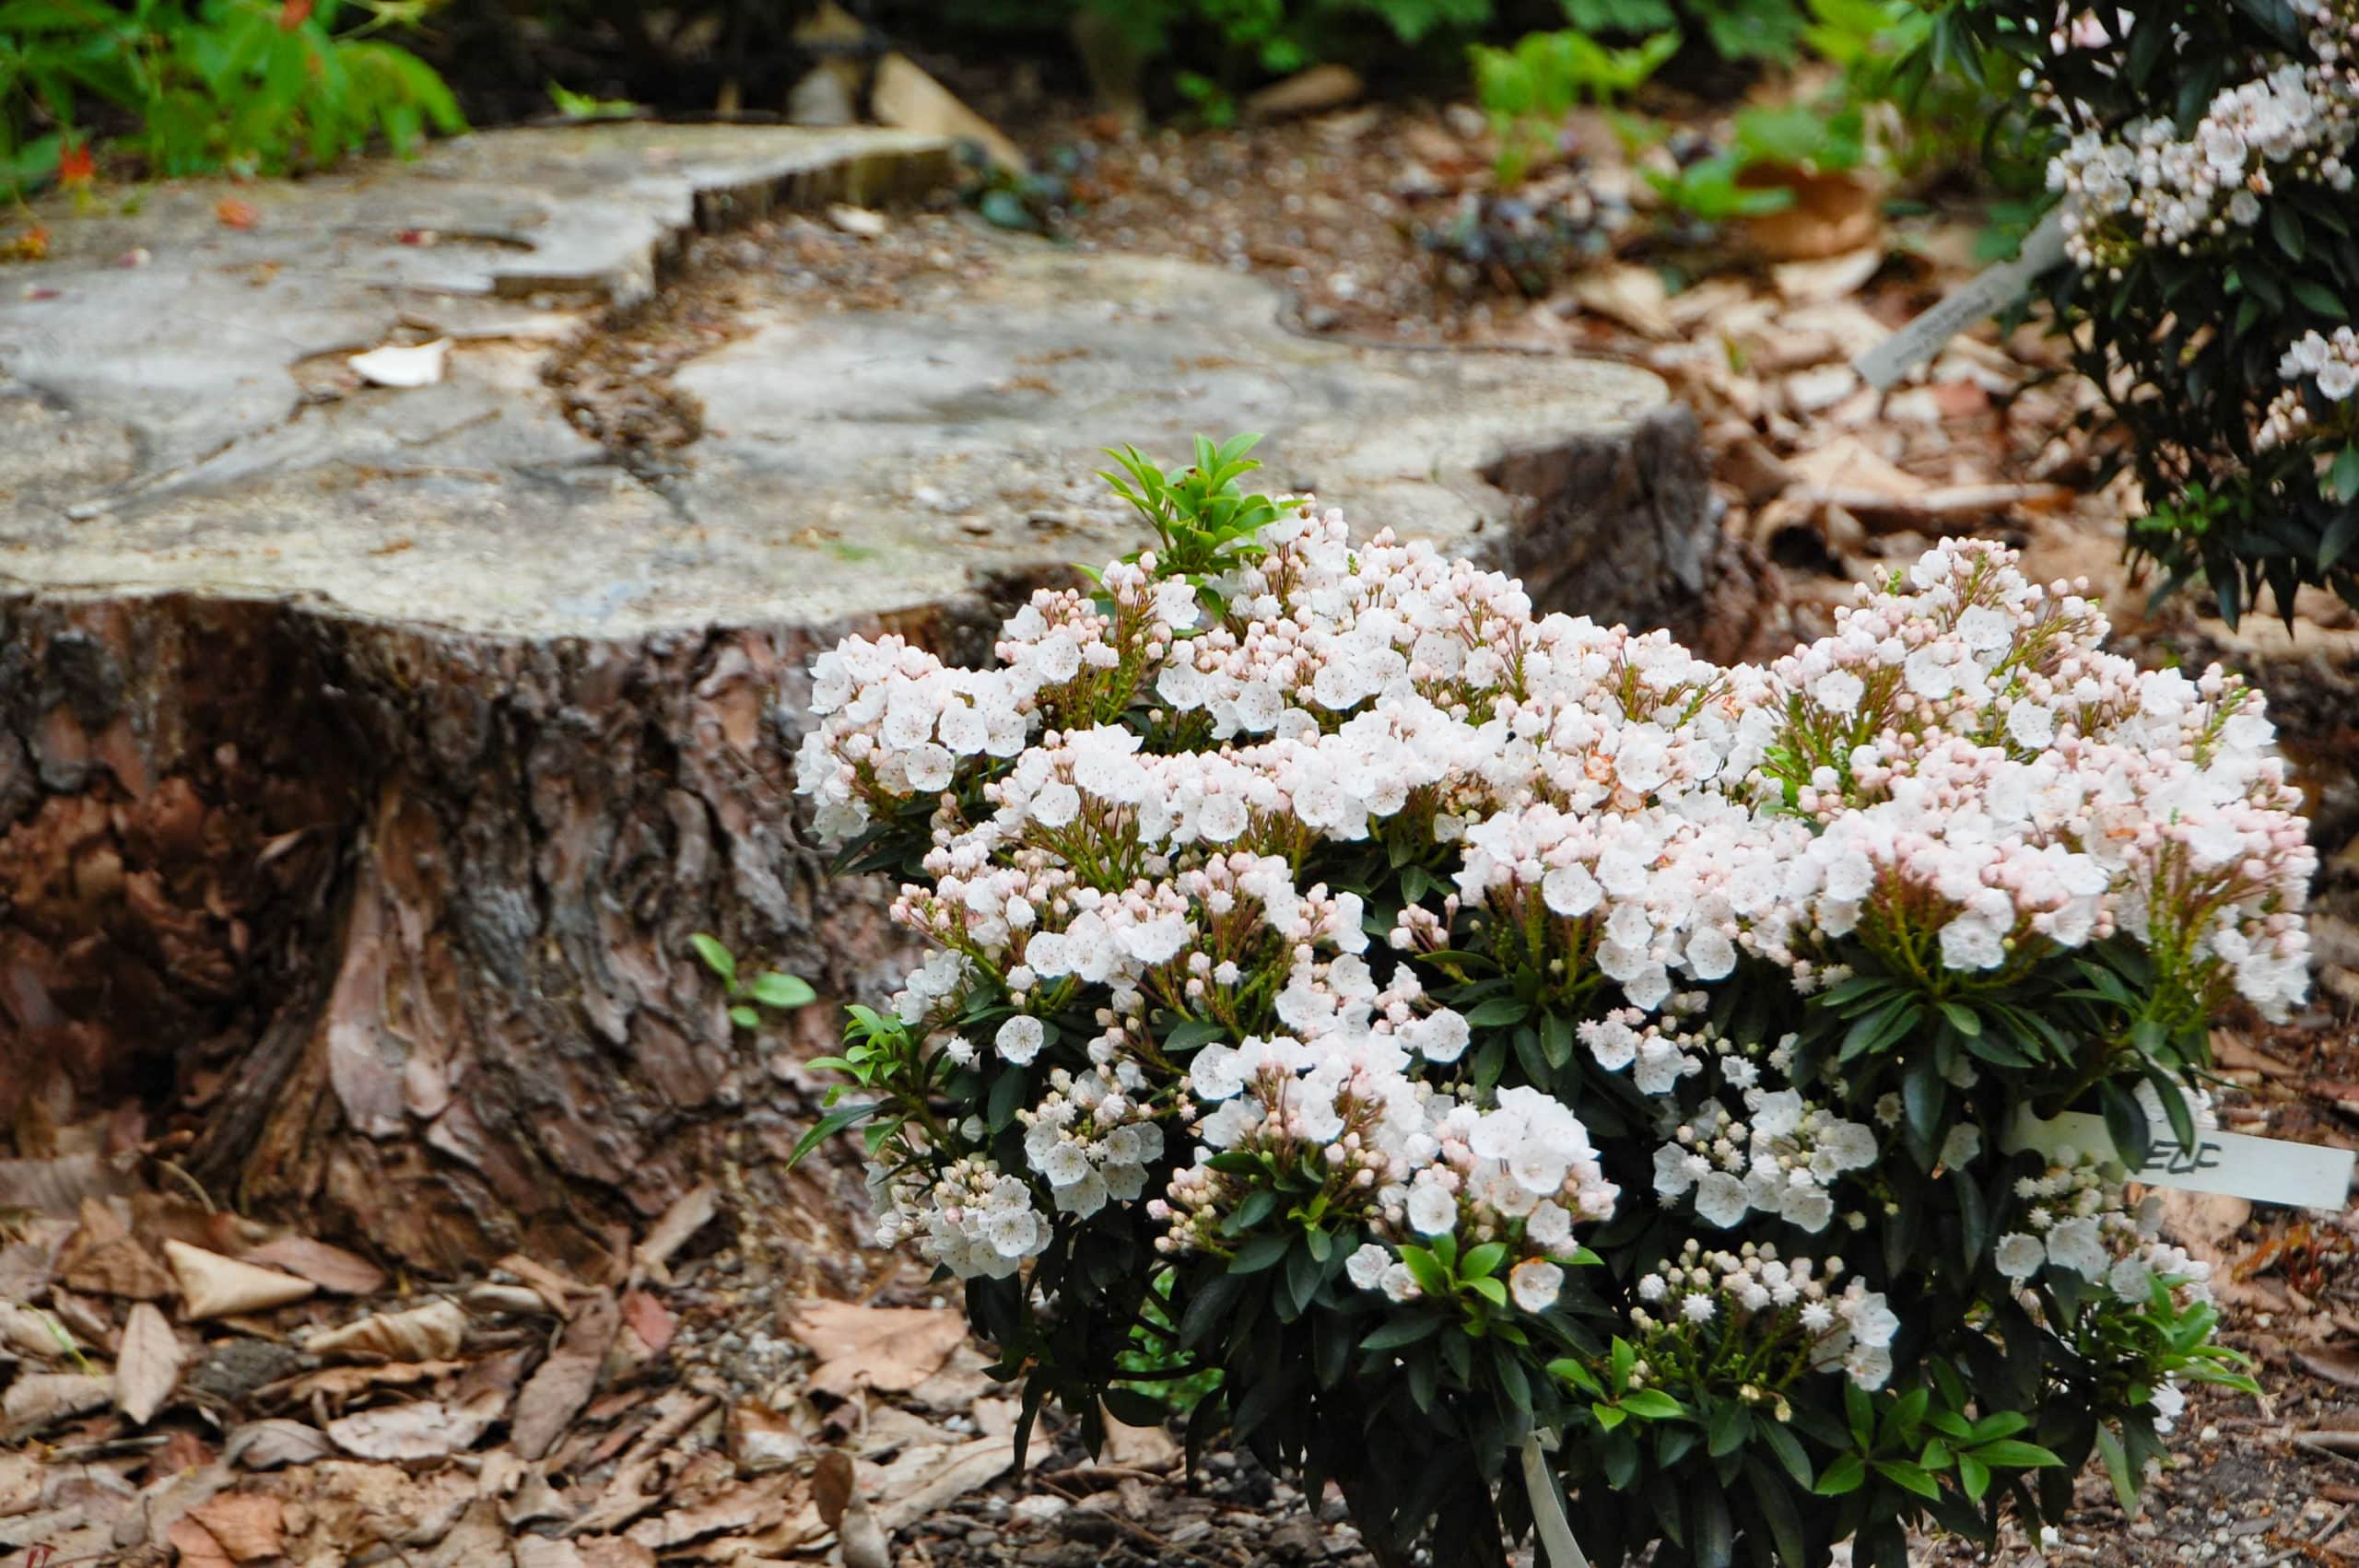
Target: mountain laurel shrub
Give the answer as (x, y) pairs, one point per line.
(2202, 156)
(1430, 1021)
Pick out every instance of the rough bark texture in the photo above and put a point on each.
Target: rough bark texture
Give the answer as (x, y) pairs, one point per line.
(393, 922)
(390, 923)
(1624, 528)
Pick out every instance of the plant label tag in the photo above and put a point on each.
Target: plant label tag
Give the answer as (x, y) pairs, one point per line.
(1990, 292)
(2266, 1170)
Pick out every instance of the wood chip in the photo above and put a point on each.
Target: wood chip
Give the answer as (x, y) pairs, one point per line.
(148, 1366)
(688, 1213)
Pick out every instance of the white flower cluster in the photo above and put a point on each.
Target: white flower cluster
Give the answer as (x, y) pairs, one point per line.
(972, 1219)
(2331, 364)
(1119, 821)
(1089, 1141)
(2148, 185)
(2078, 1224)
(1759, 1299)
(1783, 1162)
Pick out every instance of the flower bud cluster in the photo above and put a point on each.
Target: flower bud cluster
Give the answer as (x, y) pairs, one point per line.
(1765, 1317)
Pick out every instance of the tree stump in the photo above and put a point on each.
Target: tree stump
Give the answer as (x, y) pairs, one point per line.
(368, 756)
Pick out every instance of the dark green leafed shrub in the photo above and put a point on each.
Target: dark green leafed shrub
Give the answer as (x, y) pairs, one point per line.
(190, 86)
(2201, 154)
(1408, 1023)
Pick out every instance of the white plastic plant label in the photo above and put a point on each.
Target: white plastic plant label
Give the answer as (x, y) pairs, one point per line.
(1987, 293)
(2266, 1170)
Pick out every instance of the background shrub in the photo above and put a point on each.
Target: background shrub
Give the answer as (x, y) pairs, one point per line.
(2200, 153)
(255, 86)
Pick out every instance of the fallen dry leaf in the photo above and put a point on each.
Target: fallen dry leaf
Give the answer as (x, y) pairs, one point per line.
(104, 1257)
(330, 1268)
(432, 1332)
(235, 214)
(1831, 214)
(214, 1287)
(38, 1399)
(923, 1479)
(148, 1366)
(1139, 1447)
(563, 1383)
(1633, 295)
(59, 1187)
(2333, 1363)
(890, 1348)
(426, 1430)
(269, 1445)
(649, 1318)
(249, 1525)
(1833, 278)
(20, 1483)
(197, 1545)
(832, 1484)
(28, 1332)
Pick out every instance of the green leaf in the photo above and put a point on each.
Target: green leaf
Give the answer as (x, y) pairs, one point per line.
(1907, 1477)
(782, 991)
(1974, 1476)
(2344, 483)
(717, 958)
(1260, 1253)
(2285, 224)
(827, 1126)
(1482, 1260)
(2325, 301)
(1787, 1449)
(1654, 1404)
(2116, 1465)
(1403, 1331)
(2011, 1453)
(744, 1018)
(1497, 1013)
(1844, 1475)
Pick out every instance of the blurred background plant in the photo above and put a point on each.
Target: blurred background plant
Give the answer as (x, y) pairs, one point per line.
(188, 86)
(2206, 293)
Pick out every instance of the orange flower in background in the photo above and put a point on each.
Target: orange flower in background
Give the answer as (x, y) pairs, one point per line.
(76, 168)
(293, 14)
